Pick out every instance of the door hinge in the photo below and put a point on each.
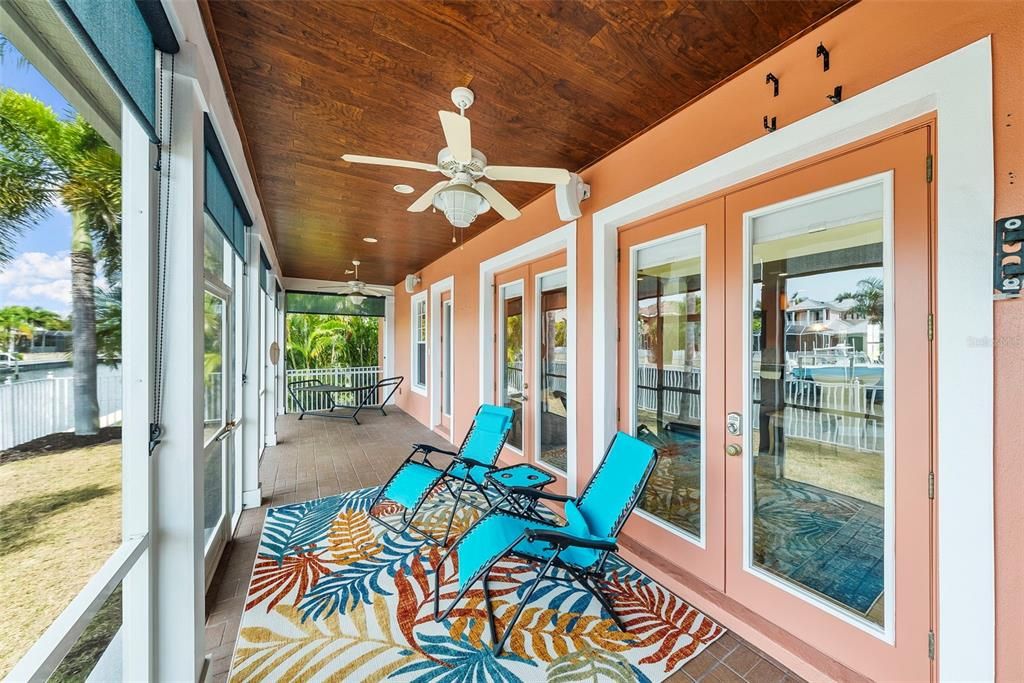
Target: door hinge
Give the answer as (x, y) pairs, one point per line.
(931, 486)
(931, 645)
(618, 334)
(931, 327)
(618, 255)
(618, 414)
(929, 168)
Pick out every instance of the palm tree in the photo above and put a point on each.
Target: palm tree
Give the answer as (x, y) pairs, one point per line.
(869, 299)
(45, 160)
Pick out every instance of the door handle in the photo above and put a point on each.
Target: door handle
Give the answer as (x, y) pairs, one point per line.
(734, 449)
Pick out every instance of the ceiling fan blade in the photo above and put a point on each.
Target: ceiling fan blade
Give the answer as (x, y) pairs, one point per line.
(457, 135)
(528, 174)
(383, 161)
(498, 203)
(426, 198)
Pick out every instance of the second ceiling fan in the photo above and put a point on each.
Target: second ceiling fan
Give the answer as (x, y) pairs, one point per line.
(464, 195)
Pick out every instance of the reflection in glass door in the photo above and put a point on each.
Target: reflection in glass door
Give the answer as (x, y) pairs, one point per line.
(553, 405)
(818, 386)
(511, 359)
(668, 366)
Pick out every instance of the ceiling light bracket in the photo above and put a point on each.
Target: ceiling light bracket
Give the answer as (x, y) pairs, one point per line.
(463, 98)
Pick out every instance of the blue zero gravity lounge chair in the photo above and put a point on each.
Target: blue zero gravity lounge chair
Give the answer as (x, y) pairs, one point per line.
(415, 479)
(581, 547)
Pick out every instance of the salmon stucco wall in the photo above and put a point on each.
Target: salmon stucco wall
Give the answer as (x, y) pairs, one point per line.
(870, 43)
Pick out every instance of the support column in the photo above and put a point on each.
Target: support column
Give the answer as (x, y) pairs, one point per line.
(270, 399)
(389, 338)
(252, 440)
(137, 277)
(178, 543)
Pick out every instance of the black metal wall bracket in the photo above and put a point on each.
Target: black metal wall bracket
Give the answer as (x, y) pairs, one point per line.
(769, 126)
(822, 52)
(837, 95)
(773, 79)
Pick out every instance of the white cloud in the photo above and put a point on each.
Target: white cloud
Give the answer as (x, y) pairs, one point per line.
(37, 279)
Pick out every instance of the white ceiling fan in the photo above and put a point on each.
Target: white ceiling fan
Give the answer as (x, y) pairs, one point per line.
(356, 290)
(464, 196)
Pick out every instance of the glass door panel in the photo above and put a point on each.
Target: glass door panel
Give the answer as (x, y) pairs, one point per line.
(553, 403)
(830, 465)
(817, 391)
(670, 302)
(668, 354)
(511, 357)
(215, 408)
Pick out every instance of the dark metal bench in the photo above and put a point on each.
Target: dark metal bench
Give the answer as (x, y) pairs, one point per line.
(362, 397)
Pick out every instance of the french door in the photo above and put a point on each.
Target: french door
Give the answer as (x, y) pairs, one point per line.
(532, 318)
(670, 389)
(761, 352)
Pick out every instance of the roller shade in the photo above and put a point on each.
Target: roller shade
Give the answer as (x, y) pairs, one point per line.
(221, 196)
(120, 37)
(264, 271)
(333, 304)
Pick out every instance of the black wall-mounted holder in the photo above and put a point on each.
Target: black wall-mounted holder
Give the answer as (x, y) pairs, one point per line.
(1009, 256)
(773, 79)
(769, 126)
(837, 95)
(822, 52)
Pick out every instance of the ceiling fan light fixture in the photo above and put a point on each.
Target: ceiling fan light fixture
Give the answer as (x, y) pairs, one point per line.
(357, 299)
(460, 204)
(402, 188)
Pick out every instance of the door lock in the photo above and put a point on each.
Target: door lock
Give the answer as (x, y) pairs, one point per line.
(734, 449)
(734, 424)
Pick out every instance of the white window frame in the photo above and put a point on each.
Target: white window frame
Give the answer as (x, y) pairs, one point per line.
(414, 369)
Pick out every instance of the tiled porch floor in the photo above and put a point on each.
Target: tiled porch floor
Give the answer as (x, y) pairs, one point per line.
(320, 457)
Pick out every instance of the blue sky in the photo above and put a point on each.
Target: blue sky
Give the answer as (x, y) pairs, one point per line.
(39, 275)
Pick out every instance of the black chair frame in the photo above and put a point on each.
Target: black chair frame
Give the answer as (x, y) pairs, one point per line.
(425, 451)
(366, 397)
(558, 541)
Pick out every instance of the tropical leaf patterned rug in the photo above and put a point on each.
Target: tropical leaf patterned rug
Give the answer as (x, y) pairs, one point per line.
(336, 597)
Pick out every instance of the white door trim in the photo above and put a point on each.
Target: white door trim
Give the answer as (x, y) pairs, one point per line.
(434, 387)
(958, 87)
(556, 240)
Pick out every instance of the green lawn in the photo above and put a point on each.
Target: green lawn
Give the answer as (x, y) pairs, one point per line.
(60, 519)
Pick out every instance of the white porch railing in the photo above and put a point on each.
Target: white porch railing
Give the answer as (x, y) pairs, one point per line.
(847, 414)
(34, 408)
(343, 377)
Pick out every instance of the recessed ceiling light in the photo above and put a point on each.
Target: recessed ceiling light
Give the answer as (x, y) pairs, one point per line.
(404, 189)
(371, 240)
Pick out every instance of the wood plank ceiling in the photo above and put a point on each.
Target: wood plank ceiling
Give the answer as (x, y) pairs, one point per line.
(557, 82)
